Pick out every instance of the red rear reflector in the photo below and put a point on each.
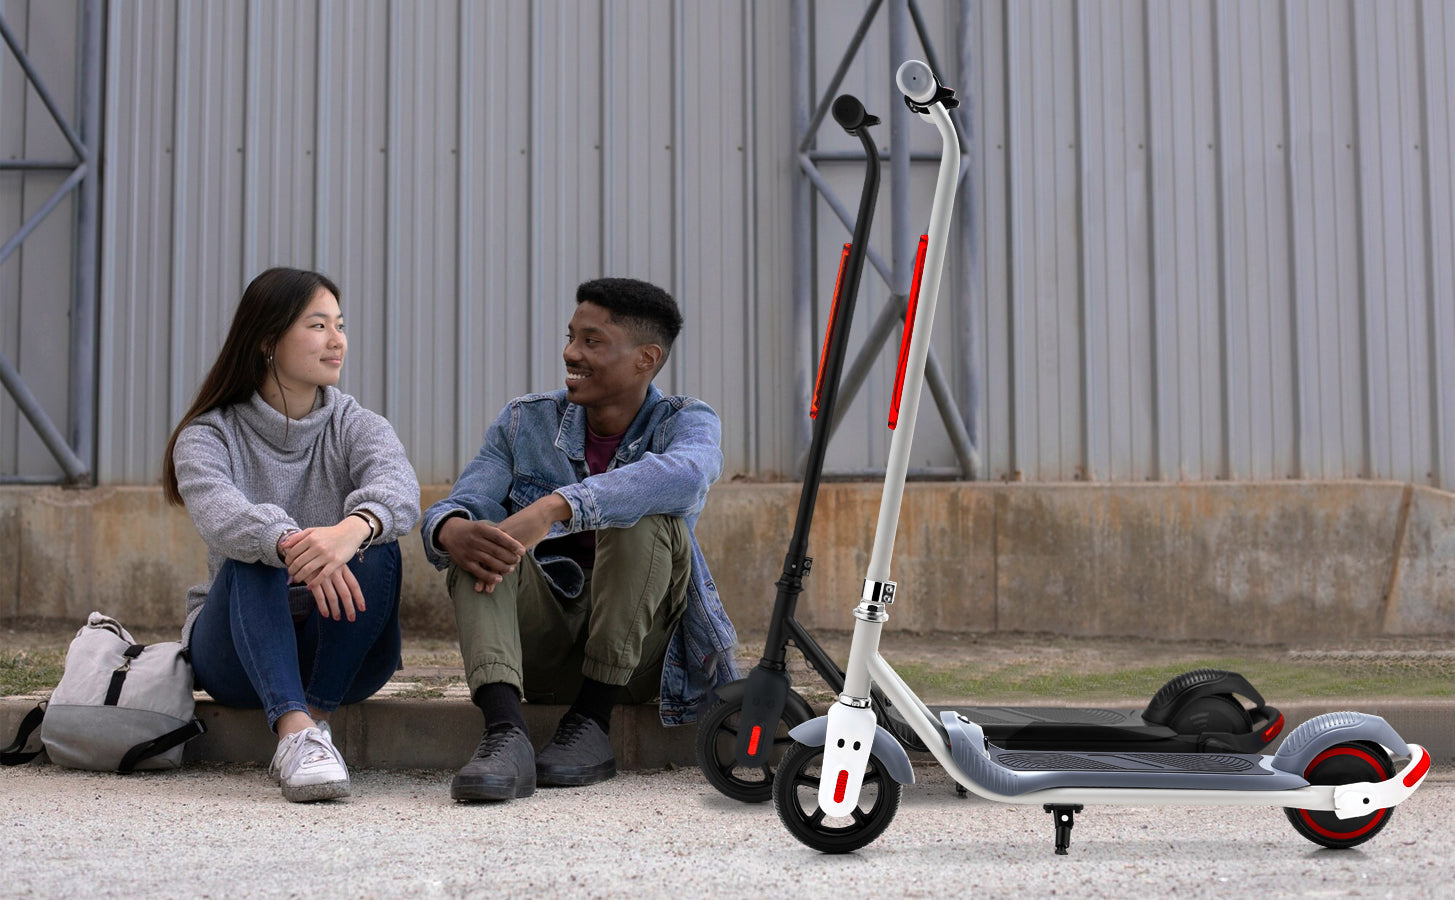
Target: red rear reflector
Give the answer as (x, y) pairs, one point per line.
(1417, 772)
(753, 740)
(841, 786)
(1271, 731)
(828, 334)
(919, 270)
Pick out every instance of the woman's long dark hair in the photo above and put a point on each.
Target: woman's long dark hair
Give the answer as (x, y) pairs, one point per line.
(269, 306)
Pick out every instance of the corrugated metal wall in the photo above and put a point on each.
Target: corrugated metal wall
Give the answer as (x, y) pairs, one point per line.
(36, 280)
(459, 168)
(1209, 239)
(1217, 239)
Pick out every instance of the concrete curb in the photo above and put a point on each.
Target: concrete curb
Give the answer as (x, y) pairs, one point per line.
(400, 732)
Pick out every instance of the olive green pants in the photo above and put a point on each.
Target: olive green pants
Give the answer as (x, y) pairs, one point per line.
(524, 634)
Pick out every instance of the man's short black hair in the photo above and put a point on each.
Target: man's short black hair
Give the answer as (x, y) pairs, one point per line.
(644, 309)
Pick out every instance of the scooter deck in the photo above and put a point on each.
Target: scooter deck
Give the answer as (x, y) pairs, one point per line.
(1032, 727)
(1202, 771)
(1015, 772)
(1054, 728)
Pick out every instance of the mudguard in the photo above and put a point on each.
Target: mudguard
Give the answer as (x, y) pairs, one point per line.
(737, 692)
(1321, 732)
(733, 691)
(1189, 686)
(896, 762)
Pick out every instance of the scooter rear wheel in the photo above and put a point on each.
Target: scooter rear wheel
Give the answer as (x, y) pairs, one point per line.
(795, 797)
(1346, 763)
(716, 734)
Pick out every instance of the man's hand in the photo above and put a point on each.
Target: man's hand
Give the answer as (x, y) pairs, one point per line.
(530, 525)
(485, 551)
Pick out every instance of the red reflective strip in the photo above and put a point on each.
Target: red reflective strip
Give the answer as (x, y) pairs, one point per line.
(828, 334)
(919, 270)
(841, 786)
(1272, 730)
(1417, 771)
(1375, 817)
(753, 740)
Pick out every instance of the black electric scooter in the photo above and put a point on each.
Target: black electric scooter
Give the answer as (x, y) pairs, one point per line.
(742, 736)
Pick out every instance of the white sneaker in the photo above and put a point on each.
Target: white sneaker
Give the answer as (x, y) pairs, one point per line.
(309, 767)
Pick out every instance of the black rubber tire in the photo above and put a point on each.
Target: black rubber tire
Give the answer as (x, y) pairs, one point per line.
(795, 797)
(1345, 763)
(716, 733)
(1213, 714)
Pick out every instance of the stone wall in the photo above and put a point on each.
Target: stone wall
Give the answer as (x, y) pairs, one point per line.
(1257, 562)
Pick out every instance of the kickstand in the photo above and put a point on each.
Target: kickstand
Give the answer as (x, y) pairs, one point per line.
(1065, 817)
(960, 791)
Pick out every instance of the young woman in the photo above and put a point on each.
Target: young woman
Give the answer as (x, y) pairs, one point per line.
(301, 495)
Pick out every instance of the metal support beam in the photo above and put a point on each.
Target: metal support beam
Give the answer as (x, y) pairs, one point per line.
(903, 16)
(76, 470)
(84, 295)
(76, 454)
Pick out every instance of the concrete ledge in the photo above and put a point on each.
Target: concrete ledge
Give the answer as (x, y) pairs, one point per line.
(394, 733)
(1264, 562)
(401, 733)
(442, 733)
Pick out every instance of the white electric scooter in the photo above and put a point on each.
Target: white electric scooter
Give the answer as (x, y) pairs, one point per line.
(838, 786)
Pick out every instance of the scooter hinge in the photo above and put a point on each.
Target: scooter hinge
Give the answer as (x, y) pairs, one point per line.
(881, 592)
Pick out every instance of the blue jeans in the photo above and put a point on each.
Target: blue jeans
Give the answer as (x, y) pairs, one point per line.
(247, 652)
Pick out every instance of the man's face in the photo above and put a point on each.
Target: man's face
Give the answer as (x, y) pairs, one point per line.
(604, 363)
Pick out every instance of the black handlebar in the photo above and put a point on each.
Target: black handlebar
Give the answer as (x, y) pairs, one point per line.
(850, 114)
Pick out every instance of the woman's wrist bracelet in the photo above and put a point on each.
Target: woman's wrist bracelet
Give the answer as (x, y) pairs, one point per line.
(368, 541)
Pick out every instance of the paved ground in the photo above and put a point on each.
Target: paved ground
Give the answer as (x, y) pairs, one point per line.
(226, 831)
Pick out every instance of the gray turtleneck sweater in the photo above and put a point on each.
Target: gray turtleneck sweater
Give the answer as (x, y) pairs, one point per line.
(249, 475)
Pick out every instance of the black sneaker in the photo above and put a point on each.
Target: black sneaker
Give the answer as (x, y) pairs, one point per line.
(503, 768)
(580, 753)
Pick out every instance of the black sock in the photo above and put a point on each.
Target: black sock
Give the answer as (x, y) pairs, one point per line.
(501, 705)
(596, 700)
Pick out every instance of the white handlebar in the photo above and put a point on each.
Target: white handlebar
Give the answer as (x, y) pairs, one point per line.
(916, 81)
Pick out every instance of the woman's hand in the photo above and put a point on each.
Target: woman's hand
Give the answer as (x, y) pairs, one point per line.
(318, 558)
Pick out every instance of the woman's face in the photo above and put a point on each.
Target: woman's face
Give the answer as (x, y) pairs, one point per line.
(310, 354)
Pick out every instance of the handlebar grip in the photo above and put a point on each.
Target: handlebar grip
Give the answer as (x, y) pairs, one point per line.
(850, 114)
(917, 81)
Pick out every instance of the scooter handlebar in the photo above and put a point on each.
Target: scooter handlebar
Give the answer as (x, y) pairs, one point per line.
(850, 114)
(916, 81)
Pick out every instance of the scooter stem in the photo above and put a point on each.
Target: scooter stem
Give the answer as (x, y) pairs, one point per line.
(919, 345)
(850, 114)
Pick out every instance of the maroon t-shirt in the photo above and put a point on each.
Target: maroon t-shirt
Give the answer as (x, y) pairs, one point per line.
(581, 546)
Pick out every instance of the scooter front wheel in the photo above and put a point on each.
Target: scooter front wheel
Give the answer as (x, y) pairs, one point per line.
(717, 733)
(1346, 763)
(795, 797)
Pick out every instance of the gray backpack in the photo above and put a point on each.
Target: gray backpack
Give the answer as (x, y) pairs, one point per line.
(120, 706)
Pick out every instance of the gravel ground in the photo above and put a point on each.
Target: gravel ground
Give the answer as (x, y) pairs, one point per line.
(226, 831)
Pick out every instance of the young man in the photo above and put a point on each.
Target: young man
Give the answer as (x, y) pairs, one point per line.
(573, 567)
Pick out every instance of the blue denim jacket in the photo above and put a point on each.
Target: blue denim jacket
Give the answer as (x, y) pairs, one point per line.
(664, 465)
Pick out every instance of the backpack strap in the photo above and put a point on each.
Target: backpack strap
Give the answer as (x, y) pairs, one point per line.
(118, 678)
(159, 745)
(16, 753)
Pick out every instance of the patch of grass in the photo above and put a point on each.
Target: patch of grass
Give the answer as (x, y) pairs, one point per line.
(1304, 679)
(433, 657)
(29, 671)
(425, 688)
